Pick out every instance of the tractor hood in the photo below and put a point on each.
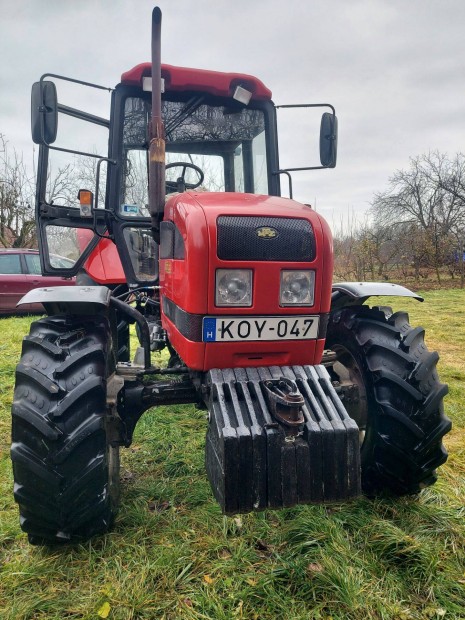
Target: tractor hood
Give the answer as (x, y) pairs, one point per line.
(246, 204)
(203, 235)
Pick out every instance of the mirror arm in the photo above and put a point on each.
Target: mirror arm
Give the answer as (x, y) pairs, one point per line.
(308, 105)
(332, 137)
(57, 148)
(286, 170)
(67, 79)
(91, 118)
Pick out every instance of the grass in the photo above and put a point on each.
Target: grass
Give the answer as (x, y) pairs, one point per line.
(173, 555)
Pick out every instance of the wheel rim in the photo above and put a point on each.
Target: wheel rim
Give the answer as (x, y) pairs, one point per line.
(348, 372)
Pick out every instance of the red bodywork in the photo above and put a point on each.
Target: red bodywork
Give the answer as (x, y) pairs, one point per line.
(104, 264)
(183, 79)
(190, 282)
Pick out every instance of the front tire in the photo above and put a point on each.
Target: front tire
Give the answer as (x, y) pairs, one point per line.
(66, 470)
(399, 408)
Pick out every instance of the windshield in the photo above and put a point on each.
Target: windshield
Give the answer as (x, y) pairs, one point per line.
(226, 144)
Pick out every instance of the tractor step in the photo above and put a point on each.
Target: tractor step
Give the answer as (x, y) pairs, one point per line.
(258, 457)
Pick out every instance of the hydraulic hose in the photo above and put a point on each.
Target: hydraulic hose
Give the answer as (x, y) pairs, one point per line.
(143, 326)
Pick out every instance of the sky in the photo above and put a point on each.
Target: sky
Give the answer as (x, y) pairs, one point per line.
(393, 69)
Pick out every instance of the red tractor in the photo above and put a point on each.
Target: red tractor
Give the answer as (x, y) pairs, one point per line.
(312, 396)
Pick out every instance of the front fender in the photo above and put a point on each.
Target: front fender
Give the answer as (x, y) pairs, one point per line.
(355, 293)
(69, 299)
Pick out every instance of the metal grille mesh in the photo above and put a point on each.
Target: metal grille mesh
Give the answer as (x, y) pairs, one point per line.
(239, 239)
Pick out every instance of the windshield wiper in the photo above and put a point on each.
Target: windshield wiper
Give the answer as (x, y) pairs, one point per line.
(191, 106)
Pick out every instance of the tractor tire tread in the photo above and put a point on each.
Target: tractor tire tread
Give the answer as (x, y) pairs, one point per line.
(59, 443)
(403, 441)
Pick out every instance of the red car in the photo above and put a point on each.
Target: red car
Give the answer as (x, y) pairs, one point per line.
(19, 273)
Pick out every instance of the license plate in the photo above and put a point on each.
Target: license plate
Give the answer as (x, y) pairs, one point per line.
(227, 328)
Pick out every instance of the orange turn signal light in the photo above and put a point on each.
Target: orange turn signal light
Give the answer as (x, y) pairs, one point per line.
(85, 197)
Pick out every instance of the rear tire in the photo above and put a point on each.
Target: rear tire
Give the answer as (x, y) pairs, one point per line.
(400, 410)
(66, 472)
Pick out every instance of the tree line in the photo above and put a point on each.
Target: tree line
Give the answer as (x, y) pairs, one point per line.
(415, 228)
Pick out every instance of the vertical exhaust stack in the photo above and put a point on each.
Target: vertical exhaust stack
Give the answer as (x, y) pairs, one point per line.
(157, 134)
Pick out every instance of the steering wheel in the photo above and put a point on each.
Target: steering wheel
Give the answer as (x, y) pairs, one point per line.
(180, 184)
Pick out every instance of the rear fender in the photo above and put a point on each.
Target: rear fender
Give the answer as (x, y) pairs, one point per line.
(70, 299)
(346, 294)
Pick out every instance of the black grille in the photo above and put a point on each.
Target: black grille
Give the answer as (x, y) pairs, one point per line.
(265, 239)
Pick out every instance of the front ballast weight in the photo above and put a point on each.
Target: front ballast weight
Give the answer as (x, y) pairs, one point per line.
(278, 437)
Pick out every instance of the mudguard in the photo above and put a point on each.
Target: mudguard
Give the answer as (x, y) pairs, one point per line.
(355, 293)
(69, 299)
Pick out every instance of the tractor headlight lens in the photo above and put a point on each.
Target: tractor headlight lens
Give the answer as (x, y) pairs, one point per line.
(297, 288)
(233, 287)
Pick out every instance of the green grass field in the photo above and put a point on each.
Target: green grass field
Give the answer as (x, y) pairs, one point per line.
(173, 555)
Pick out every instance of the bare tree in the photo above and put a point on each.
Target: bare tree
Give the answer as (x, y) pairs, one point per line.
(17, 192)
(427, 200)
(449, 175)
(16, 198)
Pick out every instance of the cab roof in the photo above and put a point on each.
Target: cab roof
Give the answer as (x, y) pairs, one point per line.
(184, 79)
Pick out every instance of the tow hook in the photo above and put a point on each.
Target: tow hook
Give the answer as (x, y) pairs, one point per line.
(285, 401)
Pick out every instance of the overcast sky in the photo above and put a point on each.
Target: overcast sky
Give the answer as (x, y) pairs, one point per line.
(394, 70)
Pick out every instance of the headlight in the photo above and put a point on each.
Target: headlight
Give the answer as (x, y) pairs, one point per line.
(297, 288)
(233, 287)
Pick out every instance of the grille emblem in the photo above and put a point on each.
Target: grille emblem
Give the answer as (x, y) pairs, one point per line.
(266, 232)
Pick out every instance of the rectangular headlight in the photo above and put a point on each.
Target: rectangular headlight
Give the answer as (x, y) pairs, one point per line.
(233, 287)
(297, 288)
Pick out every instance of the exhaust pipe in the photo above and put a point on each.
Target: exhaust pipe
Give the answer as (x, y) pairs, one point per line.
(157, 134)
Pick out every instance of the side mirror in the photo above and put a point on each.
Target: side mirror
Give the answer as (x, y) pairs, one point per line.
(328, 140)
(44, 112)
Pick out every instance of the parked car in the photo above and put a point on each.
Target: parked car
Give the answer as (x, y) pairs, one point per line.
(19, 273)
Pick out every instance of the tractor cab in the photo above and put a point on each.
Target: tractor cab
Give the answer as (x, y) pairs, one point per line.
(219, 128)
(220, 135)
